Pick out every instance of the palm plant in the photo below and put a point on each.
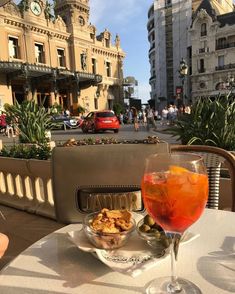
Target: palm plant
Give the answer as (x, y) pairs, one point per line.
(31, 120)
(211, 122)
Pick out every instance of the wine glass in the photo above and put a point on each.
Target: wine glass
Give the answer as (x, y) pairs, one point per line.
(175, 192)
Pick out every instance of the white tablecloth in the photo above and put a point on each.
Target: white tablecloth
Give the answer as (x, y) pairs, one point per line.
(55, 265)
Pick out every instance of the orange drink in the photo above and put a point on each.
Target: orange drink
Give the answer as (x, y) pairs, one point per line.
(175, 198)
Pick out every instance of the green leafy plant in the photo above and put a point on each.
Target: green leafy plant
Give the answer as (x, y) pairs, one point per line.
(31, 120)
(81, 109)
(211, 122)
(42, 152)
(118, 108)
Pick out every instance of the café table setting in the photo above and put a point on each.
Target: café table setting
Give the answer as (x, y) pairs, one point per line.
(55, 264)
(110, 253)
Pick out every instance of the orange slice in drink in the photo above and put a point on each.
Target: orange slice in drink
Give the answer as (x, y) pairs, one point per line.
(174, 169)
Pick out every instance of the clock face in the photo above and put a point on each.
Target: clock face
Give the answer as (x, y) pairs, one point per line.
(36, 8)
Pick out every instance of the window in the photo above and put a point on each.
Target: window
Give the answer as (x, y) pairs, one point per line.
(203, 47)
(107, 42)
(39, 53)
(201, 68)
(167, 2)
(96, 103)
(108, 69)
(221, 61)
(93, 64)
(61, 57)
(81, 21)
(221, 43)
(13, 47)
(203, 29)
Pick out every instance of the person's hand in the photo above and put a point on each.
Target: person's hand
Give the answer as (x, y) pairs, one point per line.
(4, 241)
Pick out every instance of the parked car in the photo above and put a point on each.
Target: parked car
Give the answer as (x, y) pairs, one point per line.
(66, 122)
(97, 121)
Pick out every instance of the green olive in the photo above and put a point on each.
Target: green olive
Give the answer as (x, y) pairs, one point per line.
(165, 241)
(144, 228)
(158, 227)
(148, 220)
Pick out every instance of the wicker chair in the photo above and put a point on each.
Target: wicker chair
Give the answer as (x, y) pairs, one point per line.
(213, 158)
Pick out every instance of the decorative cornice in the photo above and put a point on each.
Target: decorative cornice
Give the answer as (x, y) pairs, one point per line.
(40, 30)
(101, 51)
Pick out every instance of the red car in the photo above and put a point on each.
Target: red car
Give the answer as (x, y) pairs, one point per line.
(97, 121)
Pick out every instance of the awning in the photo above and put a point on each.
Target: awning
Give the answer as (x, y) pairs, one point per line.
(20, 70)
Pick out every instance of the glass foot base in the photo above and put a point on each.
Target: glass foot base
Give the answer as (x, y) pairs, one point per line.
(161, 286)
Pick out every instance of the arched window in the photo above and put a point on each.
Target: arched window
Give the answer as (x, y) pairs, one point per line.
(203, 29)
(81, 20)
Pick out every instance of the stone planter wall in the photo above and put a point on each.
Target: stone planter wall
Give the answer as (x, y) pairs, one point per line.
(26, 185)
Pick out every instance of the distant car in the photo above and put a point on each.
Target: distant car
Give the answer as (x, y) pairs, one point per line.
(97, 121)
(66, 122)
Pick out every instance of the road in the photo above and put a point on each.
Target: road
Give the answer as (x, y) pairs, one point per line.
(125, 132)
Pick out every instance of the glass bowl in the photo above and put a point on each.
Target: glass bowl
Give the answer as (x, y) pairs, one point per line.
(106, 241)
(155, 237)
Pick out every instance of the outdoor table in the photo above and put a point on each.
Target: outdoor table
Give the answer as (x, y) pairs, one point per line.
(55, 265)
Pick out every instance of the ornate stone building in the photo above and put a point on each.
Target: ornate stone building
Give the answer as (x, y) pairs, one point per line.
(55, 55)
(172, 39)
(213, 49)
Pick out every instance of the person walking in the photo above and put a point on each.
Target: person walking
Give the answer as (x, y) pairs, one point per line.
(150, 119)
(135, 118)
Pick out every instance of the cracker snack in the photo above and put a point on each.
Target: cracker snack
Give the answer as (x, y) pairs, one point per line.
(109, 229)
(112, 221)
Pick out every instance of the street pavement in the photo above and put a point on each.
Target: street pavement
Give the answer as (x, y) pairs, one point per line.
(126, 132)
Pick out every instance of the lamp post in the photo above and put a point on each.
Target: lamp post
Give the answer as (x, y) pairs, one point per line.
(183, 73)
(230, 84)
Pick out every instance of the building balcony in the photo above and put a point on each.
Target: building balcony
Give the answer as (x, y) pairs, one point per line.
(152, 47)
(225, 46)
(152, 78)
(201, 70)
(203, 50)
(225, 67)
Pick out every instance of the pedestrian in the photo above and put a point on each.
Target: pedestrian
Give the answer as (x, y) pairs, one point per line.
(130, 116)
(121, 118)
(3, 123)
(135, 118)
(150, 119)
(164, 116)
(155, 115)
(144, 115)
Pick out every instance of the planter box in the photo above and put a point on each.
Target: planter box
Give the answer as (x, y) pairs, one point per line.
(26, 184)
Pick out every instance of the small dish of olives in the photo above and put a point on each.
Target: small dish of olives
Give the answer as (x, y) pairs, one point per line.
(152, 233)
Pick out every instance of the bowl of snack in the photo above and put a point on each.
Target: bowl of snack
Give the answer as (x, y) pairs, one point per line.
(109, 229)
(152, 233)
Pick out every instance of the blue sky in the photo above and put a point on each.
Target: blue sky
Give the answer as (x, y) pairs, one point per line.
(128, 18)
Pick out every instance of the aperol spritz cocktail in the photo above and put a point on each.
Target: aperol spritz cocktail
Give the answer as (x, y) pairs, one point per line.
(175, 198)
(175, 193)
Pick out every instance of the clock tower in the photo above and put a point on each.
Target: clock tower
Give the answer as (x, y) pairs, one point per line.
(75, 14)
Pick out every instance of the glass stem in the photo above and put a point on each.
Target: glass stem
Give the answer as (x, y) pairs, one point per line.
(173, 286)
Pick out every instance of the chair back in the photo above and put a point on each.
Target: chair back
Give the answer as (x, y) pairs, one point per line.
(88, 178)
(213, 157)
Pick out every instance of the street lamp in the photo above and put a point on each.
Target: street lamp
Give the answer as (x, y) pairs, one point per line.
(230, 82)
(183, 73)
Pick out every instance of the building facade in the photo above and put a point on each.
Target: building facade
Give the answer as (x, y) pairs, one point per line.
(56, 56)
(169, 35)
(168, 21)
(213, 50)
